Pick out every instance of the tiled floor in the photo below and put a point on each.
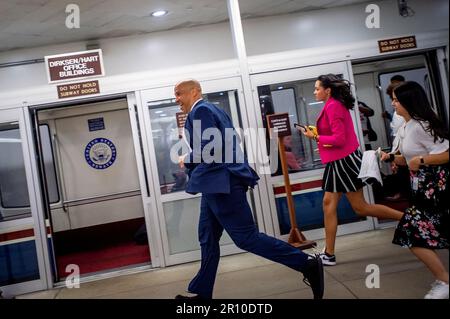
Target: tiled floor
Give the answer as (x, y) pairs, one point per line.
(248, 276)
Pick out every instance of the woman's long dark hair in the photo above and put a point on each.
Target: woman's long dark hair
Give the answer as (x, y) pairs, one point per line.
(413, 98)
(340, 89)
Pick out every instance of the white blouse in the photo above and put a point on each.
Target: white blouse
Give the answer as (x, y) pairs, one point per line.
(415, 141)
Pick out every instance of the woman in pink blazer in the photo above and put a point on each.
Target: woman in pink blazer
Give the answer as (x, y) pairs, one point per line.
(338, 147)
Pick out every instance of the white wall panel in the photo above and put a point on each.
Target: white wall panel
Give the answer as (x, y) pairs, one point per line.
(313, 33)
(337, 26)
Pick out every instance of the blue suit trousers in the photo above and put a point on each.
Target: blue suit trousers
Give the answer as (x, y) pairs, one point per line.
(232, 213)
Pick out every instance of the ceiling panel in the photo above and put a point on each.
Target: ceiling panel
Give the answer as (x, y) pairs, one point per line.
(30, 23)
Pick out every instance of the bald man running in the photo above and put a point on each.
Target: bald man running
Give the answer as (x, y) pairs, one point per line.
(223, 182)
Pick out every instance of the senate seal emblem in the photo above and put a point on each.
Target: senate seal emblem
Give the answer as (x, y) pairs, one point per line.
(100, 153)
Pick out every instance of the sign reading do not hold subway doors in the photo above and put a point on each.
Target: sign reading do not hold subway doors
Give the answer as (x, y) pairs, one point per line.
(75, 65)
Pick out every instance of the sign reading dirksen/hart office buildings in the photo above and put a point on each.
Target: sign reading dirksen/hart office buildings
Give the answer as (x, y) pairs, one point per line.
(75, 65)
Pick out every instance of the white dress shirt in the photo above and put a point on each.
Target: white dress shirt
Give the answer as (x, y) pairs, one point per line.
(416, 141)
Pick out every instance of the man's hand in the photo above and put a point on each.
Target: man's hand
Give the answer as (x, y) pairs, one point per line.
(181, 160)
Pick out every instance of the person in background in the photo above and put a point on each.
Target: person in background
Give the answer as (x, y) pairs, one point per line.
(424, 147)
(339, 150)
(395, 120)
(369, 134)
(292, 161)
(395, 183)
(223, 183)
(397, 79)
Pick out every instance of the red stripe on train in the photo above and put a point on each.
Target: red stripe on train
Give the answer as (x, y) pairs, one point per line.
(16, 235)
(298, 187)
(19, 234)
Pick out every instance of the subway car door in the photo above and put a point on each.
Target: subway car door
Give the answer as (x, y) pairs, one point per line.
(291, 91)
(23, 266)
(93, 188)
(372, 78)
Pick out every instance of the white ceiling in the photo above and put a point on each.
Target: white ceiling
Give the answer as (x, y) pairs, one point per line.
(31, 23)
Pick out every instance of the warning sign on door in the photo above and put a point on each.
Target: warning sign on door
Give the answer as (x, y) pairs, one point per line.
(78, 89)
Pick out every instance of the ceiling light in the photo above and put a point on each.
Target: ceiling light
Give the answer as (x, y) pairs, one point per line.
(159, 13)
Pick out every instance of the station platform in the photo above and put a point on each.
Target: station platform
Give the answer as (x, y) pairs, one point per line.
(247, 276)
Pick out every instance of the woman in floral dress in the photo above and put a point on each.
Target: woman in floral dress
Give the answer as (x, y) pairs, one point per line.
(424, 147)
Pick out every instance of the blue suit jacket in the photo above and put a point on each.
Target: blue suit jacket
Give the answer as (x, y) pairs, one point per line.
(216, 153)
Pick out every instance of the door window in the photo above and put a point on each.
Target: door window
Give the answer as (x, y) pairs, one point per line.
(13, 191)
(13, 181)
(166, 134)
(14, 204)
(292, 92)
(297, 99)
(180, 210)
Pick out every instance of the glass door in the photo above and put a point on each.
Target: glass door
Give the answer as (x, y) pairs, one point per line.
(22, 245)
(178, 212)
(98, 221)
(291, 91)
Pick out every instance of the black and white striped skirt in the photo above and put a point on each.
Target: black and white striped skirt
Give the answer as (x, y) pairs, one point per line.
(342, 175)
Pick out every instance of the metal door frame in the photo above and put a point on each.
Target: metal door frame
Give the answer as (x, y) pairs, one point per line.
(131, 103)
(145, 178)
(267, 181)
(36, 221)
(164, 93)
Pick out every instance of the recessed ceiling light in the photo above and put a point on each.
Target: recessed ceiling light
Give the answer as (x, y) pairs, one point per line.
(159, 13)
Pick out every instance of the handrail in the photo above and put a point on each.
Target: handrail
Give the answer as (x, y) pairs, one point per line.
(61, 185)
(383, 106)
(101, 198)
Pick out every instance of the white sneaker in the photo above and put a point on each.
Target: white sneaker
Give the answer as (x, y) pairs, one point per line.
(328, 260)
(439, 290)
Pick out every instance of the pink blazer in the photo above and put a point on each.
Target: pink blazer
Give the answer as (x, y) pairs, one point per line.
(337, 138)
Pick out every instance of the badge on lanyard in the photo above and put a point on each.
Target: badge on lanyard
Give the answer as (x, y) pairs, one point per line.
(415, 183)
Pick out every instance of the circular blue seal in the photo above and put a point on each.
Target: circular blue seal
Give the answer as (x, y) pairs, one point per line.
(100, 153)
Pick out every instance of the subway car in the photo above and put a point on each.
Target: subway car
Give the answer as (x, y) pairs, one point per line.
(88, 183)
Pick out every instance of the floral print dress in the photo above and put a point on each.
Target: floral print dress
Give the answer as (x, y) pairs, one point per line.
(426, 223)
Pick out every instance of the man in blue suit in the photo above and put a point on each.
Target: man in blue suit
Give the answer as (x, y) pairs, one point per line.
(218, 169)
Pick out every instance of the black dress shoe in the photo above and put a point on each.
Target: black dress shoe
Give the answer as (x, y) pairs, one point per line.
(313, 276)
(188, 297)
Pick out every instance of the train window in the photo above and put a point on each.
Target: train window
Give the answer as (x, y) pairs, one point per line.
(13, 185)
(296, 99)
(165, 135)
(49, 163)
(14, 200)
